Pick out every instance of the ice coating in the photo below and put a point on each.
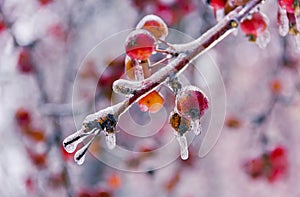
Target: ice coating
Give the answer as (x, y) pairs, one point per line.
(125, 87)
(114, 109)
(155, 25)
(297, 40)
(191, 103)
(283, 22)
(263, 39)
(110, 140)
(196, 127)
(79, 156)
(297, 17)
(184, 152)
(139, 73)
(71, 142)
(219, 14)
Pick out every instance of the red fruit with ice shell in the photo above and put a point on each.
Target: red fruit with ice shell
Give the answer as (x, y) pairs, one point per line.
(140, 44)
(191, 103)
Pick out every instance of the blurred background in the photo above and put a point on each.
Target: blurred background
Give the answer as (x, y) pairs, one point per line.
(58, 60)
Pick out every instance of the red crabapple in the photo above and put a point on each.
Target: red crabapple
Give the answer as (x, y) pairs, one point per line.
(191, 103)
(140, 44)
(155, 25)
(152, 102)
(23, 118)
(2, 25)
(25, 64)
(256, 29)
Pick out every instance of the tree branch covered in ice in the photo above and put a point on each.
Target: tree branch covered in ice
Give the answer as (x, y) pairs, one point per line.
(179, 56)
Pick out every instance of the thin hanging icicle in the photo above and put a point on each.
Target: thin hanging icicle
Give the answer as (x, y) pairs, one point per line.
(138, 72)
(110, 140)
(263, 39)
(196, 127)
(71, 142)
(297, 40)
(283, 22)
(79, 156)
(184, 152)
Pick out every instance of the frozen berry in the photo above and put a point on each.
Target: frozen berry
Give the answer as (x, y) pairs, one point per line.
(23, 117)
(140, 44)
(25, 64)
(191, 103)
(254, 26)
(2, 25)
(152, 102)
(155, 25)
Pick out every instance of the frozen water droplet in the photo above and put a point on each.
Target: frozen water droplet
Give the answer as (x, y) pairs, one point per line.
(297, 17)
(71, 142)
(283, 22)
(79, 156)
(139, 73)
(184, 152)
(219, 14)
(111, 140)
(263, 39)
(196, 127)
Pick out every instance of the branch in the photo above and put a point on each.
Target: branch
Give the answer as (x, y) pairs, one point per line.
(106, 119)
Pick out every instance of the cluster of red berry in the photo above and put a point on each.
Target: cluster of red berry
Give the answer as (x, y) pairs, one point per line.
(255, 26)
(171, 11)
(140, 45)
(270, 165)
(191, 102)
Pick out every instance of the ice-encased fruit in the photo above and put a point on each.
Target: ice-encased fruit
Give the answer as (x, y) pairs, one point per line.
(191, 103)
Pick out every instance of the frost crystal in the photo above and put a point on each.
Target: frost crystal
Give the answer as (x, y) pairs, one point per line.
(110, 140)
(283, 22)
(263, 39)
(184, 152)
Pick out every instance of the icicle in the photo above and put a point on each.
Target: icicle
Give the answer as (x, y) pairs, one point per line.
(196, 127)
(79, 156)
(72, 141)
(263, 39)
(138, 72)
(219, 13)
(297, 17)
(184, 152)
(111, 140)
(283, 22)
(297, 40)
